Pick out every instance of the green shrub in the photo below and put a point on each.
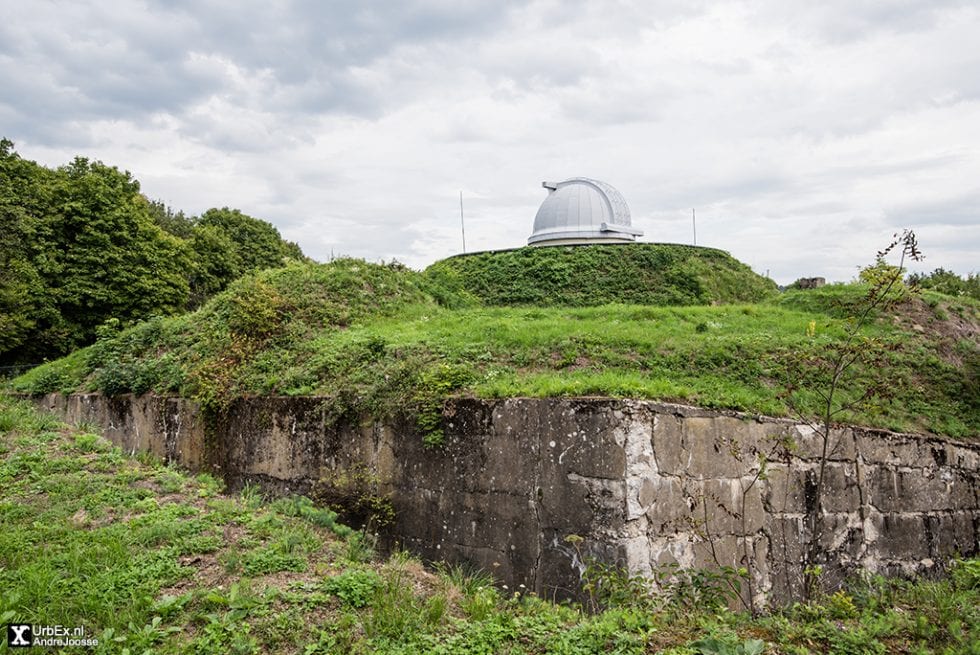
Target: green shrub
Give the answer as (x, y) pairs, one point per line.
(434, 386)
(304, 508)
(641, 273)
(273, 558)
(718, 646)
(965, 574)
(689, 588)
(91, 443)
(355, 587)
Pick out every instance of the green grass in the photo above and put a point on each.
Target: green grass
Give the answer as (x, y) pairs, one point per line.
(151, 560)
(373, 340)
(60, 375)
(638, 273)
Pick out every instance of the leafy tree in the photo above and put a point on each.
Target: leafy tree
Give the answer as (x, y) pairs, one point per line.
(257, 243)
(226, 244)
(216, 262)
(80, 245)
(101, 256)
(173, 222)
(948, 282)
(24, 300)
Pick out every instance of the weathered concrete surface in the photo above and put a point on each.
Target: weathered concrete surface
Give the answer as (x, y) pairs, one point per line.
(641, 483)
(168, 427)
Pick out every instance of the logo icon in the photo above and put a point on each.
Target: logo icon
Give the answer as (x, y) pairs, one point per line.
(19, 635)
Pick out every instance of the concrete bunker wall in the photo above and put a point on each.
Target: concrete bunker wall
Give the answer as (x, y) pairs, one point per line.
(642, 483)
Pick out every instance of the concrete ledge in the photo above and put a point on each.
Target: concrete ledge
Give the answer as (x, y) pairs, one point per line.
(642, 483)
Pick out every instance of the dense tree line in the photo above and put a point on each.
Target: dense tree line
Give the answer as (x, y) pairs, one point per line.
(80, 246)
(948, 282)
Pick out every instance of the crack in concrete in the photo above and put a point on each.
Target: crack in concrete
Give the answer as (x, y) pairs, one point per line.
(535, 505)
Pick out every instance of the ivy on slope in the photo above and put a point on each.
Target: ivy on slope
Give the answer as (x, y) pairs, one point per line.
(578, 276)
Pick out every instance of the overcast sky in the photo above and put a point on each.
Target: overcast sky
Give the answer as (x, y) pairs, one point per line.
(804, 133)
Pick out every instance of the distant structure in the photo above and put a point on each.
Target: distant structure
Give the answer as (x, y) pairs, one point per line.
(810, 282)
(580, 210)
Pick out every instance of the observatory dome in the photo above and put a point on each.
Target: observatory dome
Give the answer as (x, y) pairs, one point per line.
(580, 210)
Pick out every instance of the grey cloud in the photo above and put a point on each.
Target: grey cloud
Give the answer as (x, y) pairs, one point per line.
(624, 18)
(879, 169)
(38, 128)
(126, 63)
(326, 117)
(94, 66)
(842, 21)
(540, 65)
(326, 91)
(604, 102)
(954, 248)
(371, 241)
(230, 135)
(298, 39)
(745, 189)
(957, 211)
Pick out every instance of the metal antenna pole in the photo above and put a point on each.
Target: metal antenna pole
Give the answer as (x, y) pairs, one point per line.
(462, 225)
(694, 225)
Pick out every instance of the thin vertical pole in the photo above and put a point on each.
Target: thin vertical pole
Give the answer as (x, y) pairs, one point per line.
(462, 225)
(694, 225)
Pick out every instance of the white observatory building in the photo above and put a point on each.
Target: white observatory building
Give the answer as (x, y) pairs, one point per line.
(580, 211)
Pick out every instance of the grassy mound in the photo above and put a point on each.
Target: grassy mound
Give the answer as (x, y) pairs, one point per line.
(373, 339)
(584, 276)
(237, 342)
(150, 560)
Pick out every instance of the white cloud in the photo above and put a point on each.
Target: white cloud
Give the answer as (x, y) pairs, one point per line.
(803, 134)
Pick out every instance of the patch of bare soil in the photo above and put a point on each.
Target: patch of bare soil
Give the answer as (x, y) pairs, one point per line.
(423, 582)
(149, 484)
(559, 361)
(283, 580)
(209, 574)
(942, 324)
(168, 499)
(233, 534)
(209, 571)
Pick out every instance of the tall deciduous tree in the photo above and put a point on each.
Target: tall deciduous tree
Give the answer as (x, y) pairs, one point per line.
(80, 245)
(216, 262)
(257, 243)
(86, 249)
(25, 301)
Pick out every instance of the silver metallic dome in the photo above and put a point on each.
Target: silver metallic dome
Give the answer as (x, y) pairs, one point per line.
(580, 210)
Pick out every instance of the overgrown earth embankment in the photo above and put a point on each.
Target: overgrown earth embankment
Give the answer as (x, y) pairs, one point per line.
(385, 341)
